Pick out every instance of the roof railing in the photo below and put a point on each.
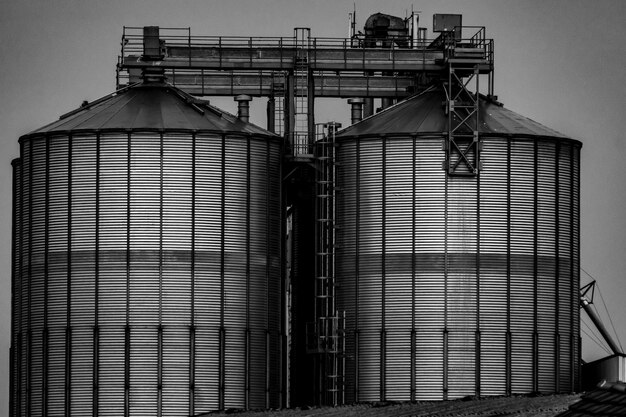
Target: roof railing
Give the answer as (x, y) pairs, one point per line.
(132, 40)
(180, 43)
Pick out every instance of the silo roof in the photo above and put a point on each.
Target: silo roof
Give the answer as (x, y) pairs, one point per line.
(424, 114)
(150, 107)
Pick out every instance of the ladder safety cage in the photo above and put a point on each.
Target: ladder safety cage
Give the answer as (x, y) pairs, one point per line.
(329, 322)
(300, 134)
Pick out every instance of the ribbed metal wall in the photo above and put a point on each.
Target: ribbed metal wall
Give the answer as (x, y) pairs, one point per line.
(458, 286)
(147, 274)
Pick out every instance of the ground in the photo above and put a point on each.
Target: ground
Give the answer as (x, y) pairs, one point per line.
(523, 406)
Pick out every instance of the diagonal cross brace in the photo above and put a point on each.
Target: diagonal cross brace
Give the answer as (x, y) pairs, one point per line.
(463, 155)
(462, 145)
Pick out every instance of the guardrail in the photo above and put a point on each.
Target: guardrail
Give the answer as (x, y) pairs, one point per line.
(183, 51)
(181, 38)
(472, 37)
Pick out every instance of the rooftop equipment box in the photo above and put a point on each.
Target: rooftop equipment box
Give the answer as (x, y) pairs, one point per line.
(448, 23)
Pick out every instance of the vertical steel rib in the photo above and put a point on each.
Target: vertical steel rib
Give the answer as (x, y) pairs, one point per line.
(45, 346)
(68, 327)
(477, 340)
(446, 262)
(573, 263)
(28, 332)
(535, 360)
(357, 263)
(557, 244)
(383, 341)
(247, 280)
(192, 325)
(127, 330)
(222, 330)
(414, 197)
(508, 350)
(96, 341)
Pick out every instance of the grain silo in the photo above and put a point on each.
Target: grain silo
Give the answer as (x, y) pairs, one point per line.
(147, 260)
(456, 285)
(430, 252)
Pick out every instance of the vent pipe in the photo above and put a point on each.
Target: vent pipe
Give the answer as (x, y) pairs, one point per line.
(152, 51)
(243, 109)
(357, 109)
(368, 107)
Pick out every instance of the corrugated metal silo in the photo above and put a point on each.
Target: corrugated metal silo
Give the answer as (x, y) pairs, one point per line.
(147, 253)
(457, 286)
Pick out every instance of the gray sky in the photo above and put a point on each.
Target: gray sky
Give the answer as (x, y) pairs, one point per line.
(561, 63)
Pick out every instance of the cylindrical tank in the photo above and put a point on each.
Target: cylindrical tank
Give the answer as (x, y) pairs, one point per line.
(147, 261)
(383, 30)
(457, 286)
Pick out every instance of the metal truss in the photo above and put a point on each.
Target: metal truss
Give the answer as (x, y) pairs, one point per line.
(462, 108)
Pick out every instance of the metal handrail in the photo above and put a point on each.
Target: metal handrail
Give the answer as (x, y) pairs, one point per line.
(132, 40)
(478, 40)
(251, 48)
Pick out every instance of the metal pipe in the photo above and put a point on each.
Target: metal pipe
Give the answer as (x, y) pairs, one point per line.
(414, 30)
(243, 107)
(357, 109)
(271, 114)
(586, 305)
(386, 102)
(368, 107)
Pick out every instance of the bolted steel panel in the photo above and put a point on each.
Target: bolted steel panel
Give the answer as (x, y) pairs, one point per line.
(149, 273)
(477, 270)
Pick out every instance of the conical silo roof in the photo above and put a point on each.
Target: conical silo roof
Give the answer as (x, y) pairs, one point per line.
(149, 107)
(424, 114)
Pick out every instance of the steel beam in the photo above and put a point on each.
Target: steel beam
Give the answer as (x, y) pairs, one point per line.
(282, 58)
(261, 84)
(585, 303)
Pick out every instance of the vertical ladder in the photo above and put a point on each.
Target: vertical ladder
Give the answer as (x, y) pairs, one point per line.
(278, 95)
(301, 145)
(329, 322)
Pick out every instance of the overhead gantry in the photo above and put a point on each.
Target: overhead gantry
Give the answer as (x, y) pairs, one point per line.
(293, 71)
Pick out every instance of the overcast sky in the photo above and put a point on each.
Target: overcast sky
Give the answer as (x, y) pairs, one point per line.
(561, 63)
